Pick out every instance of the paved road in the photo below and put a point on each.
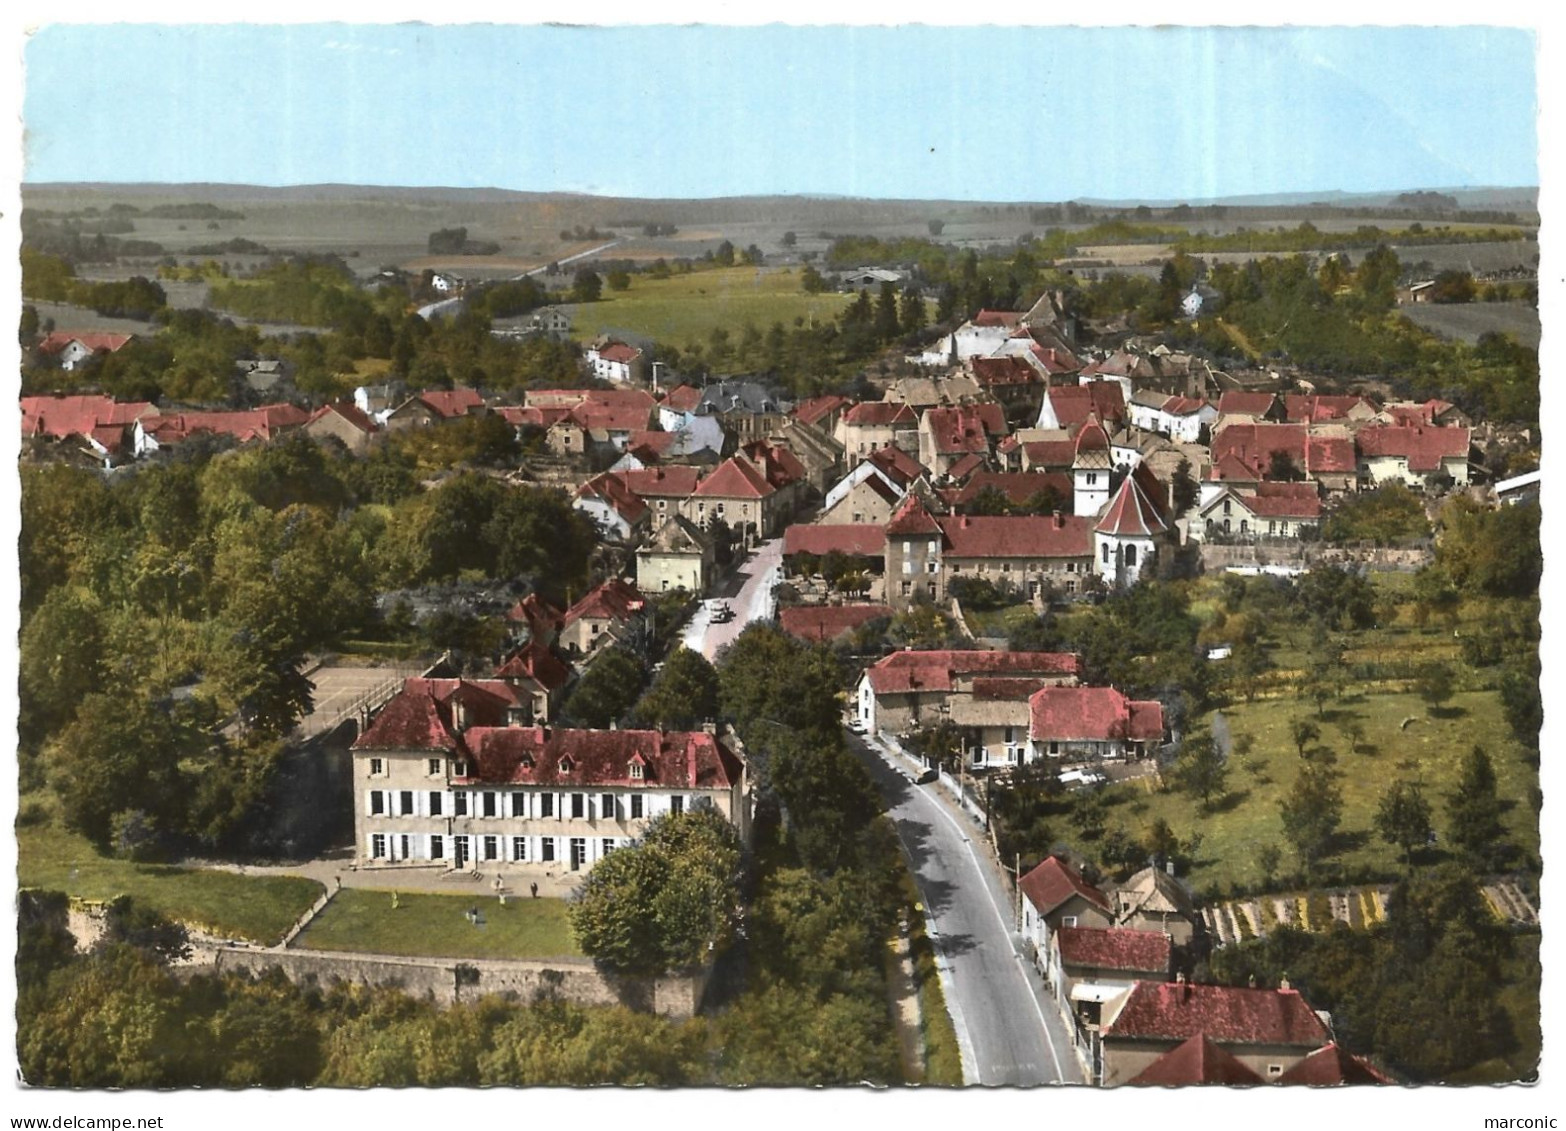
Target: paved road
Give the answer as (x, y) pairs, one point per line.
(1009, 1032)
(600, 249)
(749, 592)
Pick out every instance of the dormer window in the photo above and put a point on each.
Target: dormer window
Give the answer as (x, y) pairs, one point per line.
(459, 769)
(527, 761)
(636, 771)
(567, 765)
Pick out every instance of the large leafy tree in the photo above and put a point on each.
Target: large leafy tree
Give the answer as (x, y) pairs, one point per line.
(1403, 817)
(670, 900)
(1473, 809)
(1311, 812)
(683, 695)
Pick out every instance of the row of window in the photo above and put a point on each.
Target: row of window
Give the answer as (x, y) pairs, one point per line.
(436, 767)
(526, 805)
(1024, 567)
(463, 850)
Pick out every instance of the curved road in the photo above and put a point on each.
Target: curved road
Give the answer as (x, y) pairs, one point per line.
(1009, 1031)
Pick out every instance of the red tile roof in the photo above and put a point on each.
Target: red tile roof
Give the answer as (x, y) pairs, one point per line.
(1424, 448)
(1115, 948)
(1184, 406)
(860, 539)
(1095, 714)
(1017, 486)
(1197, 1060)
(1054, 361)
(682, 398)
(1295, 500)
(965, 466)
(1050, 453)
(650, 442)
(818, 408)
(541, 755)
(938, 670)
(1055, 881)
(735, 478)
(1306, 408)
(1072, 404)
(78, 415)
(538, 663)
(898, 465)
(251, 424)
(537, 614)
(1329, 454)
(1163, 1011)
(412, 720)
(825, 623)
(676, 482)
(616, 599)
(1091, 437)
(1010, 369)
(777, 463)
(1253, 445)
(1131, 513)
(610, 488)
(999, 317)
(620, 352)
(880, 413)
(451, 403)
(95, 340)
(912, 517)
(1331, 1065)
(1246, 404)
(1017, 536)
(964, 428)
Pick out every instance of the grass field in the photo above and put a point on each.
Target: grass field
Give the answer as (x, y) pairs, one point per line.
(685, 309)
(1429, 751)
(365, 921)
(253, 907)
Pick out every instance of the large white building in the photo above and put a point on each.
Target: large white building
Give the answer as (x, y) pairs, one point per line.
(447, 778)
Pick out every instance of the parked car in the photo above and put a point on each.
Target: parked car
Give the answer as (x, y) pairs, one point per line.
(925, 777)
(858, 727)
(1081, 779)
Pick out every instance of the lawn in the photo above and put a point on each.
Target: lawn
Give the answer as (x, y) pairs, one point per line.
(363, 920)
(685, 309)
(1429, 750)
(999, 622)
(259, 908)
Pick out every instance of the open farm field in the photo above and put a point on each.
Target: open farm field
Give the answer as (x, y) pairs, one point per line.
(1467, 321)
(685, 309)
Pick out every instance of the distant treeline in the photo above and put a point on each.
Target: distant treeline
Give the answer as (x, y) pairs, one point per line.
(454, 241)
(1307, 237)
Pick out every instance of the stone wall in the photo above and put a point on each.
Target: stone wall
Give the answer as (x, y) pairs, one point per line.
(577, 980)
(1217, 557)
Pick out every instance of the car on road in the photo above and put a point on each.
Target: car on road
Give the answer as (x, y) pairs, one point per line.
(925, 777)
(857, 727)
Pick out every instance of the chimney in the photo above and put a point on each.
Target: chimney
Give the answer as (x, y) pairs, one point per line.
(1283, 984)
(1059, 520)
(614, 725)
(1251, 981)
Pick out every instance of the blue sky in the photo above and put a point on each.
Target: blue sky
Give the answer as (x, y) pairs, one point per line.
(964, 113)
